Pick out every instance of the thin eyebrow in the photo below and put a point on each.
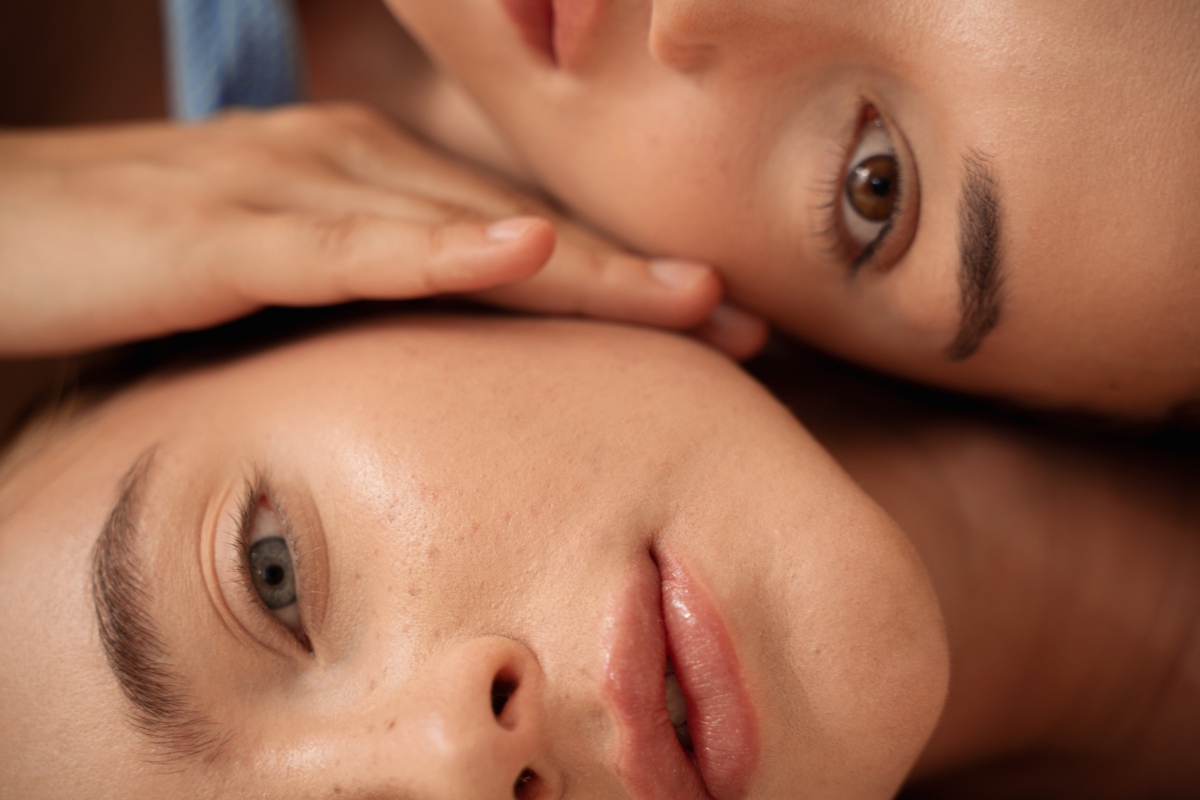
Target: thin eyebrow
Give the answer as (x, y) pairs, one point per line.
(980, 274)
(161, 709)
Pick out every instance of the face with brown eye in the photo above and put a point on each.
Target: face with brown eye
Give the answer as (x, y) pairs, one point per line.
(448, 558)
(993, 197)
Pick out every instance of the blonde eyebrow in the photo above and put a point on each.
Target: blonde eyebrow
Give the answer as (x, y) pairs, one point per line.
(161, 710)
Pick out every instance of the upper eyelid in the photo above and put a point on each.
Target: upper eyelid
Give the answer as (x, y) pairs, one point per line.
(257, 489)
(867, 255)
(903, 176)
(833, 185)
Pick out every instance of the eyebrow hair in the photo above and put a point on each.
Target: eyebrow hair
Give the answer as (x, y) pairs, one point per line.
(980, 278)
(161, 709)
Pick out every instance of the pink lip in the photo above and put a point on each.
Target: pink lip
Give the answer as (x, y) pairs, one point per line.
(665, 611)
(555, 29)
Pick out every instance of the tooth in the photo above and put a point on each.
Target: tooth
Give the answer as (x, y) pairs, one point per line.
(677, 708)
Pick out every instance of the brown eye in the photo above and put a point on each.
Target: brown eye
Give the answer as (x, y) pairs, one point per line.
(871, 188)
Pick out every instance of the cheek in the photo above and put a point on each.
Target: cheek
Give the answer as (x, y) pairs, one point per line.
(666, 173)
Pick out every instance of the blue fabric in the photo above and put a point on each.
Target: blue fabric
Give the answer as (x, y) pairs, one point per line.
(230, 52)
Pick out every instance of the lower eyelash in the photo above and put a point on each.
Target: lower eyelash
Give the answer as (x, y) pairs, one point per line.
(833, 186)
(255, 491)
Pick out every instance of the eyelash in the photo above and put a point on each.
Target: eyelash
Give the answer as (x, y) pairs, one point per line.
(833, 186)
(256, 491)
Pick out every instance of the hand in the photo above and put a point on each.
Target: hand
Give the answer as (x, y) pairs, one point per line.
(109, 235)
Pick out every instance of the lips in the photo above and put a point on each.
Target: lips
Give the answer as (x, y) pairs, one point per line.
(555, 29)
(665, 612)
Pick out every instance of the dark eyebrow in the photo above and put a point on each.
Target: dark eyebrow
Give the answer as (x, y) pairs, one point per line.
(161, 709)
(980, 277)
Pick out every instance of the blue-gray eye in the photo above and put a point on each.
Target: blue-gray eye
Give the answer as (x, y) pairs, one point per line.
(272, 572)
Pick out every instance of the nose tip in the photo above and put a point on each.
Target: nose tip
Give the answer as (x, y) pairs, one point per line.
(484, 729)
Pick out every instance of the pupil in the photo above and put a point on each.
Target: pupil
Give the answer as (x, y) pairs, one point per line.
(273, 575)
(871, 188)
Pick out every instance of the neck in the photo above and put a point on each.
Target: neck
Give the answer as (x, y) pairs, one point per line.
(1069, 577)
(1070, 585)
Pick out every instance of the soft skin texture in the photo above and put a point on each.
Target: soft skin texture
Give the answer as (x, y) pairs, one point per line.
(715, 130)
(1068, 571)
(468, 501)
(114, 233)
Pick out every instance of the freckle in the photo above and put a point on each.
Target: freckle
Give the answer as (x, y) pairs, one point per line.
(337, 790)
(371, 688)
(391, 724)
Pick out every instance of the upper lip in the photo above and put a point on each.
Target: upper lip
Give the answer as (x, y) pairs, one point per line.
(556, 28)
(665, 612)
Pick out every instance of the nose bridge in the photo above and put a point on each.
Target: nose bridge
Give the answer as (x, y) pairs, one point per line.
(473, 726)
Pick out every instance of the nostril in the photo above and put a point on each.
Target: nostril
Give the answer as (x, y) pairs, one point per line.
(502, 689)
(526, 786)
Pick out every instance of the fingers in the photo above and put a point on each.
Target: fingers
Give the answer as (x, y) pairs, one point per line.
(315, 258)
(735, 332)
(611, 285)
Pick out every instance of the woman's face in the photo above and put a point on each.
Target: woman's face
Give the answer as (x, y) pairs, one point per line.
(442, 559)
(994, 196)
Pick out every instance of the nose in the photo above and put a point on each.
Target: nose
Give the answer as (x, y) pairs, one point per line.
(469, 726)
(478, 728)
(683, 36)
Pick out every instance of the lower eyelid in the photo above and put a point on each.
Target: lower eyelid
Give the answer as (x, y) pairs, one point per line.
(891, 240)
(235, 529)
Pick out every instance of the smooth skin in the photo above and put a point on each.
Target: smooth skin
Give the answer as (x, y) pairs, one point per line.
(131, 229)
(452, 534)
(711, 131)
(718, 131)
(462, 534)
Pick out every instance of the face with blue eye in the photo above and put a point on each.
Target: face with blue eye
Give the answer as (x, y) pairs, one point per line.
(445, 558)
(822, 155)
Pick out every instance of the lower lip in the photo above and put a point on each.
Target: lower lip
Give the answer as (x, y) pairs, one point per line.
(555, 29)
(720, 715)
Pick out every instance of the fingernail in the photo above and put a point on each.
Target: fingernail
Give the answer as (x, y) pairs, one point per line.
(733, 331)
(509, 229)
(676, 274)
(731, 318)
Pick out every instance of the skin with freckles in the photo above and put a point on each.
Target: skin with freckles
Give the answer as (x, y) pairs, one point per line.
(449, 536)
(1046, 155)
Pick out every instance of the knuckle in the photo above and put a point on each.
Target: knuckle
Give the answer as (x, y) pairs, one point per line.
(305, 122)
(342, 119)
(358, 117)
(336, 234)
(437, 240)
(244, 156)
(594, 266)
